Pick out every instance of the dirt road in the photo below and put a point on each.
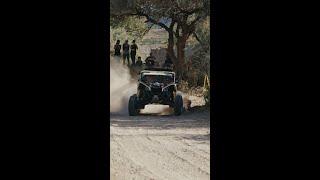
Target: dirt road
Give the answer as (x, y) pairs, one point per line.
(153, 146)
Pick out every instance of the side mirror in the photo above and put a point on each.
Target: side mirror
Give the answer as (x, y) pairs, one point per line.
(177, 81)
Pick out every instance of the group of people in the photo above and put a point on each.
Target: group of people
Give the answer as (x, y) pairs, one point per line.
(125, 51)
(150, 60)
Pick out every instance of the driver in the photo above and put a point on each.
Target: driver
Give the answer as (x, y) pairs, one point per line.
(150, 60)
(150, 79)
(168, 79)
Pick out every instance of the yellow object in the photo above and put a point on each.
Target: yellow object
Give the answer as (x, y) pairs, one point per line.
(206, 82)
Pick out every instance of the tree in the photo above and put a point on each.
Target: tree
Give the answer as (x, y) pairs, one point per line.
(182, 15)
(178, 17)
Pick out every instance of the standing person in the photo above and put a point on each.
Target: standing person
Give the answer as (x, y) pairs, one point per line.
(117, 48)
(133, 52)
(125, 49)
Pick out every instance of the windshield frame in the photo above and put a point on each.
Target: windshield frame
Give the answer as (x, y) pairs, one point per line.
(157, 74)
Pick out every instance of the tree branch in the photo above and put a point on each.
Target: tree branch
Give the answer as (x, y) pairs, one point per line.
(196, 36)
(177, 31)
(189, 12)
(147, 30)
(157, 23)
(172, 24)
(196, 20)
(149, 19)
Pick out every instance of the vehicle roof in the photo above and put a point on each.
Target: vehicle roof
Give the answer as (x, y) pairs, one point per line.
(158, 69)
(164, 73)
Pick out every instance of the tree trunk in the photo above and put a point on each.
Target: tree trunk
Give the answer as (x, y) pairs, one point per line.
(171, 46)
(171, 42)
(181, 44)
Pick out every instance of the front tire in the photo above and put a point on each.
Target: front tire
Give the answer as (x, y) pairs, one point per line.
(133, 111)
(178, 105)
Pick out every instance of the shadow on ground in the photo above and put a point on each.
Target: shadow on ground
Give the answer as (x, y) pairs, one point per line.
(157, 121)
(200, 138)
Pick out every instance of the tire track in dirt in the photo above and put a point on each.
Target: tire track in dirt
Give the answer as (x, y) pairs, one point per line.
(150, 149)
(190, 155)
(131, 170)
(158, 160)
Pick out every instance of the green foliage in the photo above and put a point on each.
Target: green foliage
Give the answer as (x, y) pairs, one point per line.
(133, 26)
(126, 28)
(203, 31)
(117, 34)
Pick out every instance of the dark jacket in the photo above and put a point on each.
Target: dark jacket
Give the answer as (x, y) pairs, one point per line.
(139, 63)
(150, 60)
(134, 48)
(125, 48)
(117, 49)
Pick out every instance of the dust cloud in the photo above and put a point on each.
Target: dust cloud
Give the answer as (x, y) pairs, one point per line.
(122, 86)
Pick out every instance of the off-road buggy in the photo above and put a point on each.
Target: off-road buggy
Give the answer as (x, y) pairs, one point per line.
(156, 86)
